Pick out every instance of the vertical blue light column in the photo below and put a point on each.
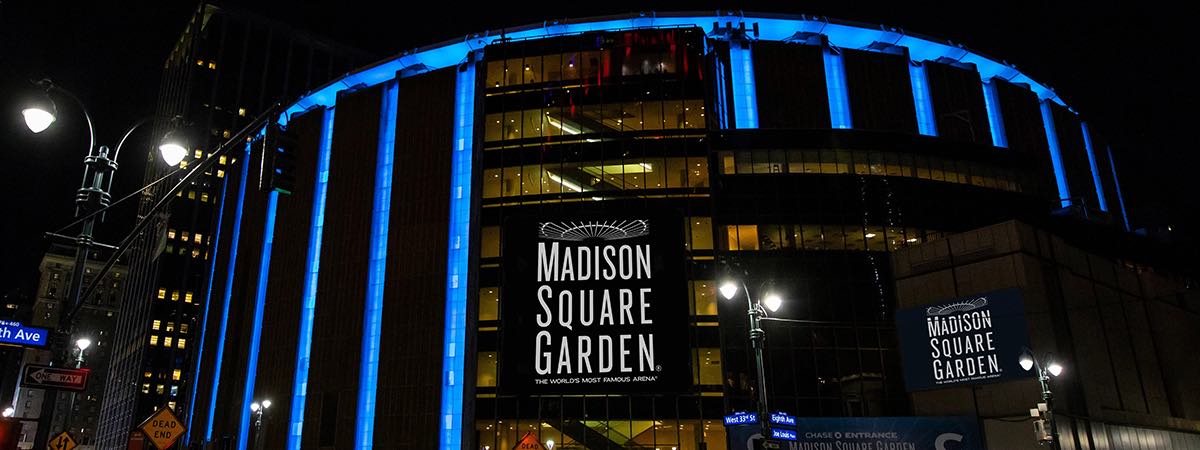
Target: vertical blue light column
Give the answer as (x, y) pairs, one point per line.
(1087, 144)
(1060, 176)
(839, 95)
(1117, 184)
(260, 297)
(368, 372)
(212, 269)
(719, 99)
(991, 101)
(311, 268)
(457, 257)
(233, 251)
(745, 95)
(926, 124)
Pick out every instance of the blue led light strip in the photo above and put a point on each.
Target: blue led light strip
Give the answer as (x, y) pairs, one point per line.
(212, 268)
(311, 268)
(1064, 192)
(233, 251)
(1117, 184)
(835, 85)
(926, 124)
(1087, 144)
(991, 101)
(368, 373)
(260, 296)
(457, 257)
(719, 99)
(745, 97)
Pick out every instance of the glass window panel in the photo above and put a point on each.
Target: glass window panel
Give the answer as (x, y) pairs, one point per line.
(906, 165)
(676, 117)
(511, 181)
(745, 162)
(895, 238)
(777, 161)
(631, 116)
(876, 239)
(531, 123)
(491, 183)
(694, 110)
(698, 172)
(829, 162)
(531, 180)
(512, 124)
(552, 67)
(490, 247)
(532, 69)
(708, 360)
(892, 161)
(861, 165)
(512, 72)
(936, 172)
(591, 66)
(495, 74)
(795, 161)
(489, 303)
(747, 237)
(854, 238)
(653, 116)
(812, 161)
(811, 236)
(552, 181)
(921, 162)
(844, 161)
(700, 233)
(727, 164)
(964, 171)
(652, 175)
(789, 236)
(835, 237)
(731, 237)
(875, 163)
(570, 66)
(677, 172)
(769, 237)
(704, 293)
(485, 374)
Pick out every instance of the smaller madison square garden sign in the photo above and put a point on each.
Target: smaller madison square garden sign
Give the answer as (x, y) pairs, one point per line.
(970, 340)
(594, 304)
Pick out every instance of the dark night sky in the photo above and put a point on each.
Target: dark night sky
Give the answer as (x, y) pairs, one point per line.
(1125, 67)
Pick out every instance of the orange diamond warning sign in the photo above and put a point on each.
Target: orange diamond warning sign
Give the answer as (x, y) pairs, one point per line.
(162, 428)
(529, 442)
(61, 442)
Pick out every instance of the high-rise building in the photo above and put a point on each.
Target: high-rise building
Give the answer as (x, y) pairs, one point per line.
(62, 411)
(516, 240)
(227, 67)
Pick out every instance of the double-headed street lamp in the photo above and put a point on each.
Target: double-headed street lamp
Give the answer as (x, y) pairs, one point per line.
(259, 409)
(756, 311)
(1045, 368)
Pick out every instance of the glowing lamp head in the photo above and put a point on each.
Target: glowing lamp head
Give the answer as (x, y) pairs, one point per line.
(549, 444)
(38, 119)
(1026, 361)
(172, 150)
(1054, 368)
(9, 411)
(255, 406)
(83, 343)
(266, 404)
(728, 290)
(773, 302)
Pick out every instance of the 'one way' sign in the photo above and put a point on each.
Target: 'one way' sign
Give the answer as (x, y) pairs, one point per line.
(47, 377)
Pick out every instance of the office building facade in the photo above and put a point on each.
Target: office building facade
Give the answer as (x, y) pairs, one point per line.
(518, 236)
(228, 66)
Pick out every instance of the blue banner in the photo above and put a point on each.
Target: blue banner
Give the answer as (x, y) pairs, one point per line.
(970, 340)
(14, 333)
(866, 433)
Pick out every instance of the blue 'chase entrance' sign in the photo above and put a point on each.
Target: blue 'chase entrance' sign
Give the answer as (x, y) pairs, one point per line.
(14, 333)
(969, 340)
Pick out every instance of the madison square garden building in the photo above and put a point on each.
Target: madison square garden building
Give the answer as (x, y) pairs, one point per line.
(521, 233)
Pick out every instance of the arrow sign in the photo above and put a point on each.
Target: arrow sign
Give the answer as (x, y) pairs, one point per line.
(47, 377)
(62, 442)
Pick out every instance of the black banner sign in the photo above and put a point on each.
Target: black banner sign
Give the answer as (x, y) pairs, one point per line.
(594, 304)
(970, 340)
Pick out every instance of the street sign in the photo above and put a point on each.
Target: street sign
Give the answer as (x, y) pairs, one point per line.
(162, 428)
(16, 334)
(741, 418)
(529, 442)
(61, 442)
(47, 377)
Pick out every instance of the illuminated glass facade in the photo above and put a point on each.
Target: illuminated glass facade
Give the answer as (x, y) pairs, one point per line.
(797, 156)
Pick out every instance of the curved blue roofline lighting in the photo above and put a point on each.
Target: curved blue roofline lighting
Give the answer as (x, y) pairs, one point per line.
(771, 27)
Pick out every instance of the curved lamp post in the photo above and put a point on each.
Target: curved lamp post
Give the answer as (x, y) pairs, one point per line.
(1045, 368)
(756, 311)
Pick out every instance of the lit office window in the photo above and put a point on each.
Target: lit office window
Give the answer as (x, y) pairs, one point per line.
(704, 297)
(181, 343)
(490, 247)
(174, 296)
(708, 366)
(188, 296)
(174, 392)
(148, 374)
(699, 233)
(220, 174)
(742, 237)
(489, 303)
(145, 388)
(171, 233)
(242, 113)
(153, 339)
(486, 373)
(167, 341)
(186, 236)
(155, 325)
(183, 328)
(159, 389)
(199, 154)
(170, 326)
(175, 374)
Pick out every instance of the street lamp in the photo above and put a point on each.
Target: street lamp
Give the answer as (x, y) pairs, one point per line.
(8, 412)
(259, 408)
(756, 311)
(82, 344)
(1045, 368)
